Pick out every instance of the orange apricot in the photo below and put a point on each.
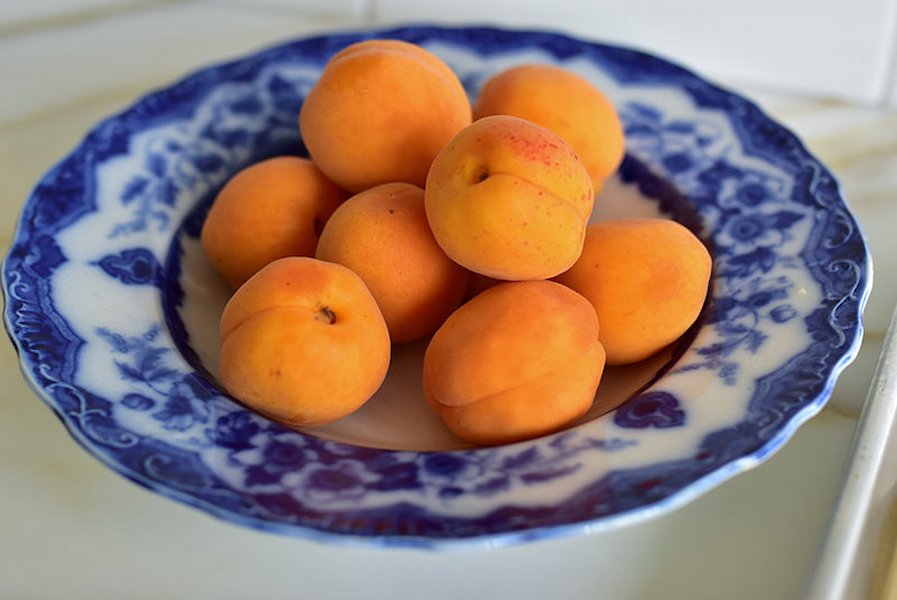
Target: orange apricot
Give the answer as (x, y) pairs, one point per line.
(303, 342)
(519, 360)
(380, 112)
(564, 102)
(647, 279)
(509, 199)
(269, 210)
(382, 234)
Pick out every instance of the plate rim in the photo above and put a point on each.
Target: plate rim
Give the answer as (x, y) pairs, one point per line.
(681, 497)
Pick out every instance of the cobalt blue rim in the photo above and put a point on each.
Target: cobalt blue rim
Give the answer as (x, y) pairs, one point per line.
(47, 347)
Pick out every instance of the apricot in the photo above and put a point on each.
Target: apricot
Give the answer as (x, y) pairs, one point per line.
(519, 360)
(509, 199)
(647, 279)
(380, 112)
(382, 234)
(565, 103)
(303, 342)
(269, 210)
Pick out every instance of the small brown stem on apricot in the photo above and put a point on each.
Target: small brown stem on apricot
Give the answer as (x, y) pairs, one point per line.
(483, 175)
(326, 315)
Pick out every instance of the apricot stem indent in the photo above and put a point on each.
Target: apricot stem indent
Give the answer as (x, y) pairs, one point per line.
(326, 315)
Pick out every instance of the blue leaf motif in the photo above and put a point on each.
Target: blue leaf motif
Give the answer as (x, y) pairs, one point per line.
(134, 266)
(129, 372)
(680, 127)
(138, 402)
(761, 258)
(645, 111)
(755, 339)
(248, 105)
(548, 474)
(783, 313)
(156, 164)
(209, 163)
(134, 188)
(116, 340)
(784, 219)
(167, 195)
(521, 460)
(450, 491)
(492, 486)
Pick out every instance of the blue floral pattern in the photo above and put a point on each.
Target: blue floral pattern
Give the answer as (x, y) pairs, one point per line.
(790, 265)
(651, 409)
(136, 266)
(753, 218)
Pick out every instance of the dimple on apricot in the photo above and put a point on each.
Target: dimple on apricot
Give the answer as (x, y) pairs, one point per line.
(382, 234)
(519, 360)
(647, 279)
(269, 210)
(379, 113)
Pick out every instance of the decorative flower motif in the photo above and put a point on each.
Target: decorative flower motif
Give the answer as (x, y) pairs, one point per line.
(748, 229)
(224, 139)
(270, 456)
(444, 465)
(134, 266)
(345, 480)
(651, 409)
(783, 313)
(185, 405)
(742, 190)
(234, 430)
(679, 147)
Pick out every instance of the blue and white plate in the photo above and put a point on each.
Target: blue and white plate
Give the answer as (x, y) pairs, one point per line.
(113, 310)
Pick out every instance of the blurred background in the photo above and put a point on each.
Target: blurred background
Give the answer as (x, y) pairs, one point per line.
(845, 49)
(71, 528)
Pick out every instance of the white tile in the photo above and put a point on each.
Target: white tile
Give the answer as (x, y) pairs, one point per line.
(838, 48)
(891, 75)
(348, 8)
(48, 68)
(14, 13)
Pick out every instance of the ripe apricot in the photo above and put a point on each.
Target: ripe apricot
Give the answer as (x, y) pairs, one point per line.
(519, 360)
(380, 112)
(509, 199)
(382, 234)
(303, 342)
(647, 279)
(564, 102)
(269, 210)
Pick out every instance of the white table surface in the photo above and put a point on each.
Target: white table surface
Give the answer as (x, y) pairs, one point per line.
(71, 528)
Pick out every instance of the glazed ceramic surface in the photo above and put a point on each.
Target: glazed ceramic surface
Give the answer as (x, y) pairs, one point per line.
(114, 310)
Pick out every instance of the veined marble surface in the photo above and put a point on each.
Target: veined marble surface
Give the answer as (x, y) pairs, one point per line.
(70, 528)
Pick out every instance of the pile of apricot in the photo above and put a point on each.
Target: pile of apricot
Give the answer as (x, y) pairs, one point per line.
(419, 214)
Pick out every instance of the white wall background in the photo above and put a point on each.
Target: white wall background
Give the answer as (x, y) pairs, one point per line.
(842, 49)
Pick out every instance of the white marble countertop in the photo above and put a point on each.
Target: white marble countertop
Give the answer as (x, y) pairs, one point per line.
(71, 528)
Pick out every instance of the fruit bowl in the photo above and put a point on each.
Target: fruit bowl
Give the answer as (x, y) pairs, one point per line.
(113, 310)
